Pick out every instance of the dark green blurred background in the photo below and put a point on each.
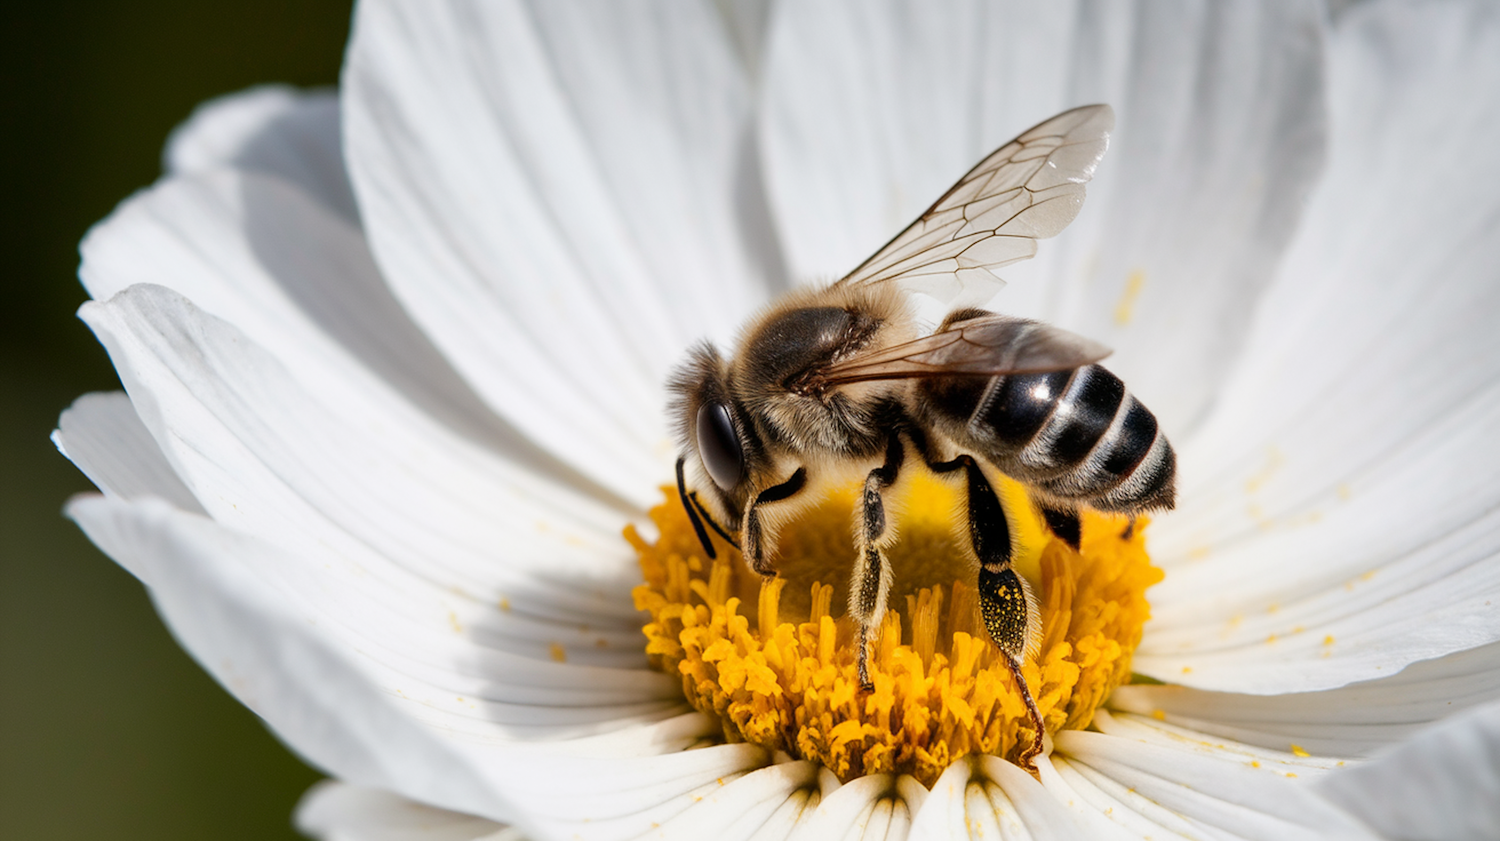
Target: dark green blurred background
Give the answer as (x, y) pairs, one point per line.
(107, 729)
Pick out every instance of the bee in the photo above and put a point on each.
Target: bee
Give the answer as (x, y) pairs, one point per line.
(838, 383)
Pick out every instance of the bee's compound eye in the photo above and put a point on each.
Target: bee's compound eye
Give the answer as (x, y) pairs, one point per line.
(719, 446)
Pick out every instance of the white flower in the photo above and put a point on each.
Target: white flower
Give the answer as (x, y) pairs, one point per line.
(382, 431)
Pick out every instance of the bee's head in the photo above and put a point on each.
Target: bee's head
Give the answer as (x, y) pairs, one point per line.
(719, 445)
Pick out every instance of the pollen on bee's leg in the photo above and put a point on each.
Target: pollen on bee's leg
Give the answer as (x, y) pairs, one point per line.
(1033, 749)
(774, 660)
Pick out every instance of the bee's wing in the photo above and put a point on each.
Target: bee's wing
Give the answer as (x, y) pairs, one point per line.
(1028, 189)
(988, 345)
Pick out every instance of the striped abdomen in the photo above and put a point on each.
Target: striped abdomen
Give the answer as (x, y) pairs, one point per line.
(1077, 436)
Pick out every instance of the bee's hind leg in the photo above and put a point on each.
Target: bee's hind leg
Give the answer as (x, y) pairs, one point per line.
(871, 582)
(1006, 602)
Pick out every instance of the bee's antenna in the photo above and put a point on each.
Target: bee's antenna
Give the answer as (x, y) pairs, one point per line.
(688, 504)
(714, 524)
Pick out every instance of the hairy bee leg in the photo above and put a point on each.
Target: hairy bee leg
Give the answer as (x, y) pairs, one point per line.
(1027, 758)
(758, 542)
(871, 582)
(1065, 525)
(1006, 603)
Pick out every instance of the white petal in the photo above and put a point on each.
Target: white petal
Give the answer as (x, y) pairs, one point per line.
(298, 279)
(570, 791)
(1443, 783)
(247, 635)
(564, 200)
(873, 112)
(103, 436)
(1346, 484)
(334, 811)
(266, 457)
(871, 808)
(371, 696)
(274, 130)
(1351, 721)
(748, 22)
(1195, 790)
(757, 804)
(1148, 729)
(987, 797)
(396, 424)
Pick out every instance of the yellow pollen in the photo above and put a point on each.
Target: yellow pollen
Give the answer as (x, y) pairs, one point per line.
(1125, 309)
(1298, 750)
(774, 659)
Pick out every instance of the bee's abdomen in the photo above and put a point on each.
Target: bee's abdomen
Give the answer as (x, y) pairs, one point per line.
(1077, 436)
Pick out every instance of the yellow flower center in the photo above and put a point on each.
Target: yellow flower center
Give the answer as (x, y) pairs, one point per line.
(774, 659)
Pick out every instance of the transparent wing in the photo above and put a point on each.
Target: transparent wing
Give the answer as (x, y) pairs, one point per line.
(1028, 189)
(992, 345)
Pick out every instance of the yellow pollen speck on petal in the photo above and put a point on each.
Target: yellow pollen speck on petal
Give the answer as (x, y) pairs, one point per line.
(1254, 763)
(1298, 750)
(774, 661)
(1159, 715)
(505, 604)
(1328, 640)
(1187, 670)
(558, 652)
(1125, 309)
(454, 623)
(1274, 461)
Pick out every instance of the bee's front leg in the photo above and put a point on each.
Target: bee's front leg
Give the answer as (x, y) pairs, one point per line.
(758, 539)
(1005, 599)
(871, 582)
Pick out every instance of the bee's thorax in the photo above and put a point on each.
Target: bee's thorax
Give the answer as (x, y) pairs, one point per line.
(774, 373)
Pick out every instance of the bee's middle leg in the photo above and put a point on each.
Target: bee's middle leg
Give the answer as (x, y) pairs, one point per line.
(871, 582)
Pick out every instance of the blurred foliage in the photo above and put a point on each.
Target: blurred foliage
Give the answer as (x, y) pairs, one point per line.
(107, 729)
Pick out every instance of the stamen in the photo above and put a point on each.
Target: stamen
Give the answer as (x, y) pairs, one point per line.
(773, 659)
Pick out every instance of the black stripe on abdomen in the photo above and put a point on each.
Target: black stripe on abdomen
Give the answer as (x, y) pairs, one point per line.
(1018, 407)
(1084, 414)
(1129, 446)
